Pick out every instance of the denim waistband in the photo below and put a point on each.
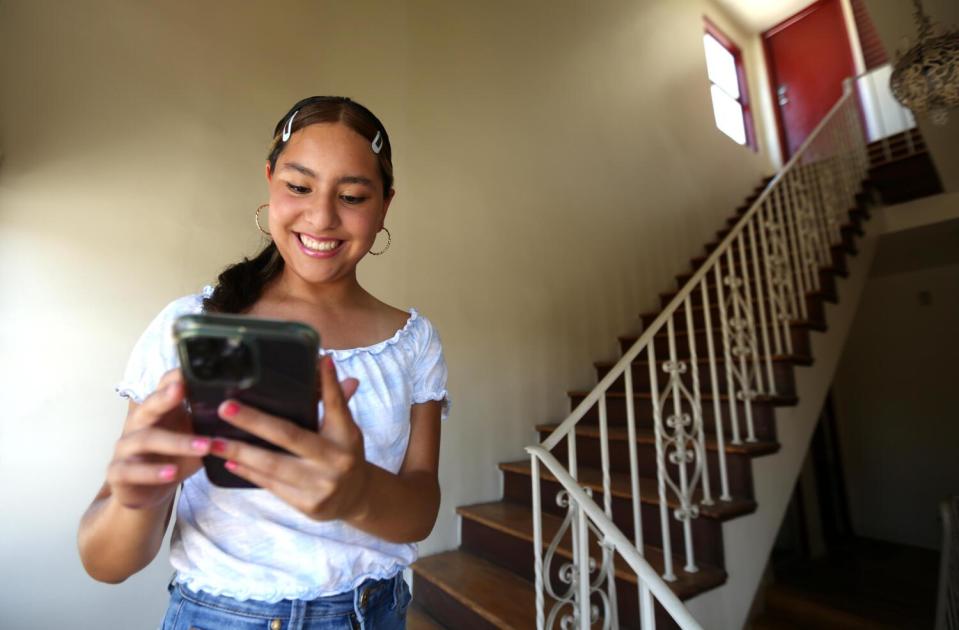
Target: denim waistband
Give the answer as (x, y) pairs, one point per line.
(371, 592)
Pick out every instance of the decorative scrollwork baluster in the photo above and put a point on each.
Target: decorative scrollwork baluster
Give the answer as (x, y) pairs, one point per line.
(743, 346)
(567, 608)
(681, 448)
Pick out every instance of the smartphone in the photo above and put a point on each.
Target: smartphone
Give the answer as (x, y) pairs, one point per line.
(267, 364)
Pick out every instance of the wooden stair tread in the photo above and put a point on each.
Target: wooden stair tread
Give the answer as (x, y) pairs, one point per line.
(479, 585)
(517, 520)
(419, 619)
(703, 396)
(620, 485)
(645, 436)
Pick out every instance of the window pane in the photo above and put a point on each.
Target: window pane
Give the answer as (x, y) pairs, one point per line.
(729, 115)
(721, 66)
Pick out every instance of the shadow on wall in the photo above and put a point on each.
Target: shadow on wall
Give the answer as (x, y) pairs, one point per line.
(896, 386)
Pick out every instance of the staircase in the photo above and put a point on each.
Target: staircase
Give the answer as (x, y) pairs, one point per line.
(722, 356)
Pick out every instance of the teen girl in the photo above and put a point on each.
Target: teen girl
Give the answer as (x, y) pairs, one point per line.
(324, 542)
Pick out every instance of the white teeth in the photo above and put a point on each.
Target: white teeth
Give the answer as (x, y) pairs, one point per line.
(318, 246)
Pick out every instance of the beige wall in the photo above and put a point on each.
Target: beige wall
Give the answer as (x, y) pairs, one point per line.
(895, 387)
(896, 27)
(557, 164)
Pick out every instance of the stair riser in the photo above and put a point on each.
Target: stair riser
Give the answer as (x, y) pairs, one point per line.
(446, 609)
(782, 374)
(815, 317)
(800, 341)
(764, 419)
(516, 554)
(707, 534)
(738, 466)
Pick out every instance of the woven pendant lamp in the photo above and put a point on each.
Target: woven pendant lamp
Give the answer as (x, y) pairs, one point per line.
(926, 77)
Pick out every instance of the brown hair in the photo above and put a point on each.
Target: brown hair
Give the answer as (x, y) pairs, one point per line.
(241, 284)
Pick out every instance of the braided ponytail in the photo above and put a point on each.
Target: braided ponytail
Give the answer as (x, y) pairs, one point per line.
(241, 284)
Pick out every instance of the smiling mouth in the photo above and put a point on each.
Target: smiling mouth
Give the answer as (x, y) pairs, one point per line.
(318, 245)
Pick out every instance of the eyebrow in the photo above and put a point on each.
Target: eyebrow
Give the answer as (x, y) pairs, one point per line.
(299, 167)
(355, 179)
(346, 179)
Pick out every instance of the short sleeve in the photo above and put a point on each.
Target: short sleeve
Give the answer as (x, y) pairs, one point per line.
(155, 352)
(429, 368)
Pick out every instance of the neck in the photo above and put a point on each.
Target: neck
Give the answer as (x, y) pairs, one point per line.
(333, 295)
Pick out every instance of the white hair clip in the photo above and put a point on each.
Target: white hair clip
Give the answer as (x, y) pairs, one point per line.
(288, 130)
(377, 144)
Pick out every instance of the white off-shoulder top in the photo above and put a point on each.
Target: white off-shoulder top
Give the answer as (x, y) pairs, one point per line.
(249, 544)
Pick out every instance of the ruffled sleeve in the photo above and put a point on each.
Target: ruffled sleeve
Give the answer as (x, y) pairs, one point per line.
(429, 367)
(155, 352)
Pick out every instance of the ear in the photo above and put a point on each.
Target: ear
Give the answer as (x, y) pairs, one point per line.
(269, 173)
(387, 202)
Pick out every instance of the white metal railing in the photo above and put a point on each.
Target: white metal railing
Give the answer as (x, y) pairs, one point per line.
(755, 283)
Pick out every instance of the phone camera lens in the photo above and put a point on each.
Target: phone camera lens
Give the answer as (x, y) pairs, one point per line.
(236, 361)
(220, 358)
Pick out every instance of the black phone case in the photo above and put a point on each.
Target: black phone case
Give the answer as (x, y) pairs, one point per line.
(281, 382)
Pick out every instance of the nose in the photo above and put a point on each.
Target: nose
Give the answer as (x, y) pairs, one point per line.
(323, 213)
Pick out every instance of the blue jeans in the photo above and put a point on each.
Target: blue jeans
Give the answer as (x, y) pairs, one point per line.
(373, 605)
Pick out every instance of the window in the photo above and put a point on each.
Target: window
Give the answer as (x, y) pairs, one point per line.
(727, 86)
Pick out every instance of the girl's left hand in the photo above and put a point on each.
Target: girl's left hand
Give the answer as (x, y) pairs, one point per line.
(326, 475)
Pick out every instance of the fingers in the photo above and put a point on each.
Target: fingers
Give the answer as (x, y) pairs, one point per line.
(328, 462)
(164, 400)
(334, 399)
(275, 430)
(349, 385)
(170, 376)
(136, 472)
(291, 494)
(287, 469)
(152, 440)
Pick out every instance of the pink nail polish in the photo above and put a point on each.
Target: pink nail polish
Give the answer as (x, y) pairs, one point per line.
(200, 444)
(218, 446)
(230, 409)
(167, 472)
(231, 465)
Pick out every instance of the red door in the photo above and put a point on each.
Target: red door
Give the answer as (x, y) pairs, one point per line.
(808, 57)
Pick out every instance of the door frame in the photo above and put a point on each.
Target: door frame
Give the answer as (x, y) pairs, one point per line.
(771, 75)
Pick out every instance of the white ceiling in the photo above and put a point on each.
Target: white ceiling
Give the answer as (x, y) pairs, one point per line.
(759, 15)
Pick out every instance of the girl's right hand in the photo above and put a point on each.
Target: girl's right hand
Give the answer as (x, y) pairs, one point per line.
(157, 449)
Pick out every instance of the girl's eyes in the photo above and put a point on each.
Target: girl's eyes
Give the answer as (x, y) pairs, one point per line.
(304, 190)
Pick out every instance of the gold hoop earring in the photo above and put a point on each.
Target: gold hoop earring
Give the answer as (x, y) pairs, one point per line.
(389, 240)
(257, 218)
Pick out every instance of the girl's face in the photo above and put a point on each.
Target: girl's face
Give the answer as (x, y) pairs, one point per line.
(326, 202)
